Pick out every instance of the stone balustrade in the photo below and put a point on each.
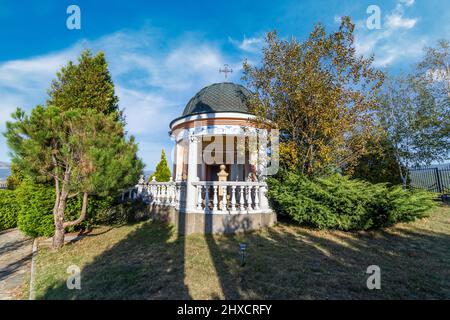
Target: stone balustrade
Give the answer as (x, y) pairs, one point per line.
(211, 196)
(231, 197)
(161, 193)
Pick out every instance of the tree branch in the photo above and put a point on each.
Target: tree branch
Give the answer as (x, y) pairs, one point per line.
(82, 215)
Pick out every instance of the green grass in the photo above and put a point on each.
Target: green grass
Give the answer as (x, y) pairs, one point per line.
(149, 261)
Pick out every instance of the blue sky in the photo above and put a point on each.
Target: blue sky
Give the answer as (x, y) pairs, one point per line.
(162, 53)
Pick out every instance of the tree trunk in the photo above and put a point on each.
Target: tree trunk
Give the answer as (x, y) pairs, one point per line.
(58, 237)
(58, 214)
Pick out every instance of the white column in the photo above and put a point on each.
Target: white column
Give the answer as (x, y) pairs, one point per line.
(192, 174)
(253, 155)
(179, 160)
(262, 153)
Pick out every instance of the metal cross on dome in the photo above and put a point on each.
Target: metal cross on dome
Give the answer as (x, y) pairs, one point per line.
(226, 70)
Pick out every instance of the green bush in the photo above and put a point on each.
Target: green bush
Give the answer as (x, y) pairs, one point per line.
(96, 209)
(8, 209)
(123, 213)
(36, 203)
(337, 202)
(36, 209)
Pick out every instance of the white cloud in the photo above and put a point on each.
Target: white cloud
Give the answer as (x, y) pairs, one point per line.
(407, 3)
(394, 41)
(154, 77)
(397, 21)
(146, 113)
(253, 44)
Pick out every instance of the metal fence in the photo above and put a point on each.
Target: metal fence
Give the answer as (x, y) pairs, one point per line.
(432, 179)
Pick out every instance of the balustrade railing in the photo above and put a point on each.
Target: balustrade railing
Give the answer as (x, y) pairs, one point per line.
(231, 197)
(211, 196)
(161, 193)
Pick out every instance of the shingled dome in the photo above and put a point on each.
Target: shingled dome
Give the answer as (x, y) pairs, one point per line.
(219, 97)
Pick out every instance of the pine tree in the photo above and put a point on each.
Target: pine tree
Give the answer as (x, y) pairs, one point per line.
(78, 140)
(86, 85)
(162, 173)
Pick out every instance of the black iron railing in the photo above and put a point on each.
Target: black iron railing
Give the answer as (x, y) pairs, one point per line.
(431, 179)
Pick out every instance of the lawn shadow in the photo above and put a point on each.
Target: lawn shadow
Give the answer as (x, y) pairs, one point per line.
(147, 264)
(288, 262)
(283, 262)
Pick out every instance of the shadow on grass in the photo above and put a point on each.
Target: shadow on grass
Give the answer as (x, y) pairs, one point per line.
(147, 264)
(288, 262)
(284, 262)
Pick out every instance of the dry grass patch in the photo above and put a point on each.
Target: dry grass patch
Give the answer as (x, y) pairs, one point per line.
(149, 261)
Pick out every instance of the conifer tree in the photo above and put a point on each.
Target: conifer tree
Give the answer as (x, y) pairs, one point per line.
(78, 140)
(162, 173)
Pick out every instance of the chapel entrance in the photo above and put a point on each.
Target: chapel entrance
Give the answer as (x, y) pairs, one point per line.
(213, 170)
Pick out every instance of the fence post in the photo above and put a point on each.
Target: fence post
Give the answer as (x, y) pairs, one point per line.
(438, 181)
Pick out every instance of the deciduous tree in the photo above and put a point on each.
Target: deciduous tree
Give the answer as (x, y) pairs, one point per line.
(319, 93)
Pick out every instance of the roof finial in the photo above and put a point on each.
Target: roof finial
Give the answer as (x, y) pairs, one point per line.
(226, 70)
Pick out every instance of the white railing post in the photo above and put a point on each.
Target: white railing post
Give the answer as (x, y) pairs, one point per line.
(256, 197)
(161, 195)
(248, 196)
(233, 198)
(245, 197)
(224, 198)
(241, 199)
(206, 198)
(153, 193)
(141, 185)
(199, 197)
(158, 194)
(173, 195)
(215, 201)
(166, 194)
(182, 195)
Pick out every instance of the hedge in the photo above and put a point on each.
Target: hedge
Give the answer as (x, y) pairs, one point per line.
(9, 209)
(338, 202)
(36, 203)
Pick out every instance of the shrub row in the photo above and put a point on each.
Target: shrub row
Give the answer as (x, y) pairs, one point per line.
(337, 202)
(9, 209)
(30, 208)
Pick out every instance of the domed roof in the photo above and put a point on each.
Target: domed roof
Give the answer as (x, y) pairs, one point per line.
(219, 97)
